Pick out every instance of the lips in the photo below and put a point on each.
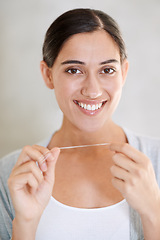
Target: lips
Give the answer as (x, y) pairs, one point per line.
(90, 106)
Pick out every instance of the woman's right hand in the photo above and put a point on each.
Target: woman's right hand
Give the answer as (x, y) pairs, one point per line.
(31, 182)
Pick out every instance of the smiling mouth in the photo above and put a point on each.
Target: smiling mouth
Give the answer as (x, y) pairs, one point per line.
(90, 107)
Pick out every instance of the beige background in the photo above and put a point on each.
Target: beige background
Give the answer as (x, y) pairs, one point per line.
(28, 110)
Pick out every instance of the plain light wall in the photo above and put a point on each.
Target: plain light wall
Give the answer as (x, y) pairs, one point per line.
(28, 110)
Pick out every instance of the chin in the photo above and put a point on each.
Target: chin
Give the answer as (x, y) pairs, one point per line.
(90, 127)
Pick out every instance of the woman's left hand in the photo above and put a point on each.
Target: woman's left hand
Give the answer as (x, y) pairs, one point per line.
(134, 177)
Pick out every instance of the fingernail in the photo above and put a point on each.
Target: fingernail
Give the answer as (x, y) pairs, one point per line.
(55, 151)
(44, 166)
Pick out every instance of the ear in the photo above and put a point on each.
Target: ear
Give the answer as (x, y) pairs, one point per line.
(125, 66)
(46, 74)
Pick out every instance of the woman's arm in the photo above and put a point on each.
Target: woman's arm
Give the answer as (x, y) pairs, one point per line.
(151, 226)
(24, 229)
(134, 177)
(31, 187)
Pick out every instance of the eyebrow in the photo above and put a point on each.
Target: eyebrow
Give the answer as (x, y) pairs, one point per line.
(83, 63)
(73, 62)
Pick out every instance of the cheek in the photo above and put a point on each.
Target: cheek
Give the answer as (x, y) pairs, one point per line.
(67, 88)
(114, 87)
(64, 91)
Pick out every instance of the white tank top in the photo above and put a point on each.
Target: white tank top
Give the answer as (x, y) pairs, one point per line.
(62, 222)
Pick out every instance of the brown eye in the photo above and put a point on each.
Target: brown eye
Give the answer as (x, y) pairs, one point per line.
(108, 70)
(73, 71)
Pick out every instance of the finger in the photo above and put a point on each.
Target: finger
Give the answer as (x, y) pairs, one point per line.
(47, 156)
(20, 181)
(34, 153)
(127, 150)
(28, 167)
(49, 175)
(119, 173)
(119, 185)
(124, 162)
(29, 153)
(43, 150)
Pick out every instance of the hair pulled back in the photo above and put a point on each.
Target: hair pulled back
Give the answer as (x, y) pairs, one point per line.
(79, 21)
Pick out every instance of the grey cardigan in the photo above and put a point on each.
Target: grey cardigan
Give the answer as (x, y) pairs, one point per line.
(149, 146)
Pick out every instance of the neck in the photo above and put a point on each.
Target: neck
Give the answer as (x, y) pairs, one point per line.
(69, 135)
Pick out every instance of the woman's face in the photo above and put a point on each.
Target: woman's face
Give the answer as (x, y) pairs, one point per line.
(88, 77)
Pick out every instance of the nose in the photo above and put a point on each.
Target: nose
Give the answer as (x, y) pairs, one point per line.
(91, 87)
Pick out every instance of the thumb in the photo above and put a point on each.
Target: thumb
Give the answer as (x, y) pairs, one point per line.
(49, 174)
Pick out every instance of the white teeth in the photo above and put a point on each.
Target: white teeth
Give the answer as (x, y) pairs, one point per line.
(90, 107)
(93, 107)
(99, 105)
(81, 104)
(96, 106)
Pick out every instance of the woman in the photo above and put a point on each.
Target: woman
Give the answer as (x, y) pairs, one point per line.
(95, 192)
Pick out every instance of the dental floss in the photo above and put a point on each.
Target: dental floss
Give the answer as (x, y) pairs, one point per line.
(80, 146)
(70, 147)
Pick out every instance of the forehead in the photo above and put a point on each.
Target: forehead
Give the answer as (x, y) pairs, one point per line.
(95, 46)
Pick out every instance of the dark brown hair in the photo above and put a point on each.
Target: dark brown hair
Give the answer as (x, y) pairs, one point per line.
(79, 21)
